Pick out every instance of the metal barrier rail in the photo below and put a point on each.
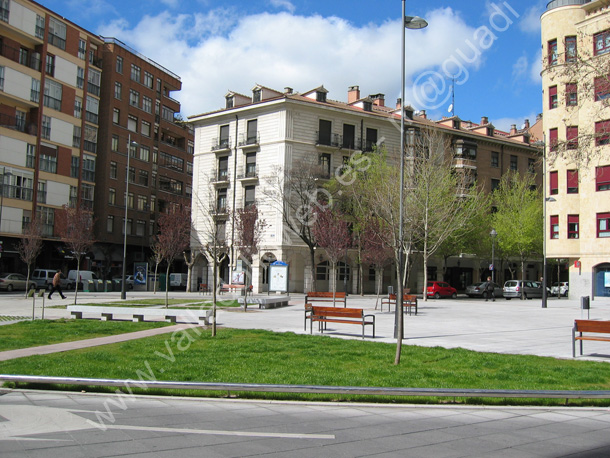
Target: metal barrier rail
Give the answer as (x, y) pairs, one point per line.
(312, 389)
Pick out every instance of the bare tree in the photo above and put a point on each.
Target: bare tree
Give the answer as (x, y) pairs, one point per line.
(75, 228)
(173, 238)
(331, 232)
(295, 192)
(29, 245)
(189, 260)
(249, 230)
(375, 251)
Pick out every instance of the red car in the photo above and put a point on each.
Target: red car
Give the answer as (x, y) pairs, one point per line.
(438, 289)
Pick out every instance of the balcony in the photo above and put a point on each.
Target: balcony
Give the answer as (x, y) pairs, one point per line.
(328, 139)
(221, 144)
(30, 59)
(248, 173)
(11, 122)
(220, 177)
(246, 141)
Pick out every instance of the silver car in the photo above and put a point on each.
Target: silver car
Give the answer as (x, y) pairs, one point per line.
(480, 290)
(521, 288)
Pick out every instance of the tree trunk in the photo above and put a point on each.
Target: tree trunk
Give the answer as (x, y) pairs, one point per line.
(167, 284)
(312, 258)
(77, 280)
(156, 278)
(214, 292)
(399, 315)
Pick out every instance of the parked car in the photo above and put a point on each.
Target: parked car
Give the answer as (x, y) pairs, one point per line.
(12, 282)
(561, 287)
(521, 288)
(177, 280)
(539, 285)
(438, 289)
(44, 278)
(480, 290)
(128, 281)
(85, 275)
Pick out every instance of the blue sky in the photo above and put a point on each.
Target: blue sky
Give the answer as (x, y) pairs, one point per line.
(491, 48)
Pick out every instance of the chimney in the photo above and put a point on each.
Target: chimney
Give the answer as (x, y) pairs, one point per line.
(287, 90)
(353, 94)
(398, 103)
(526, 124)
(378, 99)
(484, 120)
(513, 129)
(423, 114)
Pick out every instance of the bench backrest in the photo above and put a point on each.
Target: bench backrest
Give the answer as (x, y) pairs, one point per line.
(406, 298)
(325, 294)
(335, 312)
(591, 326)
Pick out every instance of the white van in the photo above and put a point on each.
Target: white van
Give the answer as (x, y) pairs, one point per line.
(85, 275)
(177, 280)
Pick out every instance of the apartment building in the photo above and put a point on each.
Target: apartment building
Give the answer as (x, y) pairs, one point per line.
(576, 121)
(138, 114)
(50, 87)
(239, 147)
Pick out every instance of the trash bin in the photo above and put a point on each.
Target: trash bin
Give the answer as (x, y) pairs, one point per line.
(585, 302)
(390, 290)
(162, 282)
(99, 287)
(116, 285)
(108, 285)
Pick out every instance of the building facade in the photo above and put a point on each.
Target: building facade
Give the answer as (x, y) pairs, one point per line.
(267, 132)
(576, 122)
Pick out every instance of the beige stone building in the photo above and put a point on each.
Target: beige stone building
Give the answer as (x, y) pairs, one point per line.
(576, 120)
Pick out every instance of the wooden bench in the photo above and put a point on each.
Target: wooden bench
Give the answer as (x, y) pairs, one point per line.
(315, 296)
(589, 327)
(226, 287)
(409, 302)
(105, 313)
(203, 288)
(323, 315)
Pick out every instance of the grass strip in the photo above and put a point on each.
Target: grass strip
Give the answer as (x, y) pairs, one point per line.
(256, 356)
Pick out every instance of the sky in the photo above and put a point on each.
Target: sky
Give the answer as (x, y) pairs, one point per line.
(489, 52)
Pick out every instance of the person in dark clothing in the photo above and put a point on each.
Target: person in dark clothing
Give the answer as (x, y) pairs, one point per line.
(57, 285)
(489, 289)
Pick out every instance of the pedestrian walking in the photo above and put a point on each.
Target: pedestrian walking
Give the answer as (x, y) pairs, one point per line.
(490, 290)
(57, 285)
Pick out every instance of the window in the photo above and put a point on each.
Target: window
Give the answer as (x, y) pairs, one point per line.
(495, 159)
(571, 50)
(94, 78)
(88, 167)
(321, 97)
(114, 144)
(571, 94)
(148, 80)
(113, 170)
(52, 94)
(349, 136)
(324, 162)
(74, 166)
(221, 200)
(77, 133)
(35, 91)
(601, 42)
(145, 128)
(603, 225)
(57, 33)
(572, 179)
(153, 203)
(531, 165)
(251, 164)
(92, 109)
(41, 195)
(142, 203)
(86, 194)
(573, 226)
(78, 107)
(322, 270)
(572, 137)
(553, 139)
(111, 196)
(47, 217)
(224, 136)
(552, 97)
(39, 27)
(134, 98)
(48, 159)
(82, 49)
(371, 139)
(252, 133)
(147, 104)
(167, 114)
(324, 132)
(514, 163)
(116, 115)
(602, 178)
(554, 183)
(4, 10)
(249, 192)
(130, 201)
(173, 162)
(555, 227)
(170, 185)
(159, 83)
(140, 228)
(80, 77)
(601, 87)
(135, 73)
(46, 127)
(229, 101)
(143, 178)
(126, 226)
(552, 52)
(132, 123)
(602, 133)
(90, 138)
(1, 78)
(110, 224)
(144, 153)
(30, 156)
(256, 95)
(118, 90)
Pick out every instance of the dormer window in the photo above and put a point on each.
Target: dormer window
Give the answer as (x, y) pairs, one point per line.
(256, 95)
(367, 106)
(230, 101)
(321, 96)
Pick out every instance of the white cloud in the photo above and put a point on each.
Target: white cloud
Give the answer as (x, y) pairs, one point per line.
(214, 56)
(504, 124)
(530, 20)
(170, 3)
(283, 4)
(536, 69)
(520, 68)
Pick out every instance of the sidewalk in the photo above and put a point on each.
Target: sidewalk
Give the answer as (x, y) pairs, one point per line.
(515, 326)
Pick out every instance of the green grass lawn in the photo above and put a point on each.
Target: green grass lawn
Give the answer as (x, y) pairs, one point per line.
(45, 332)
(255, 356)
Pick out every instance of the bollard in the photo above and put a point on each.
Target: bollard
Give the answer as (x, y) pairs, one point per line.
(585, 304)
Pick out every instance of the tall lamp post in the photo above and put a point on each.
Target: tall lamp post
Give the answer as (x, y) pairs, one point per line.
(123, 279)
(409, 22)
(493, 234)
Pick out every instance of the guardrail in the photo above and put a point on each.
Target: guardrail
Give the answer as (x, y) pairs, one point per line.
(313, 389)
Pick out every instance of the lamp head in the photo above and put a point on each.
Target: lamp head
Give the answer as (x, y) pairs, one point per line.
(493, 234)
(415, 22)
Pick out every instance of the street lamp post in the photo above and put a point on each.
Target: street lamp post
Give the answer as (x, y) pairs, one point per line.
(409, 22)
(493, 234)
(123, 279)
